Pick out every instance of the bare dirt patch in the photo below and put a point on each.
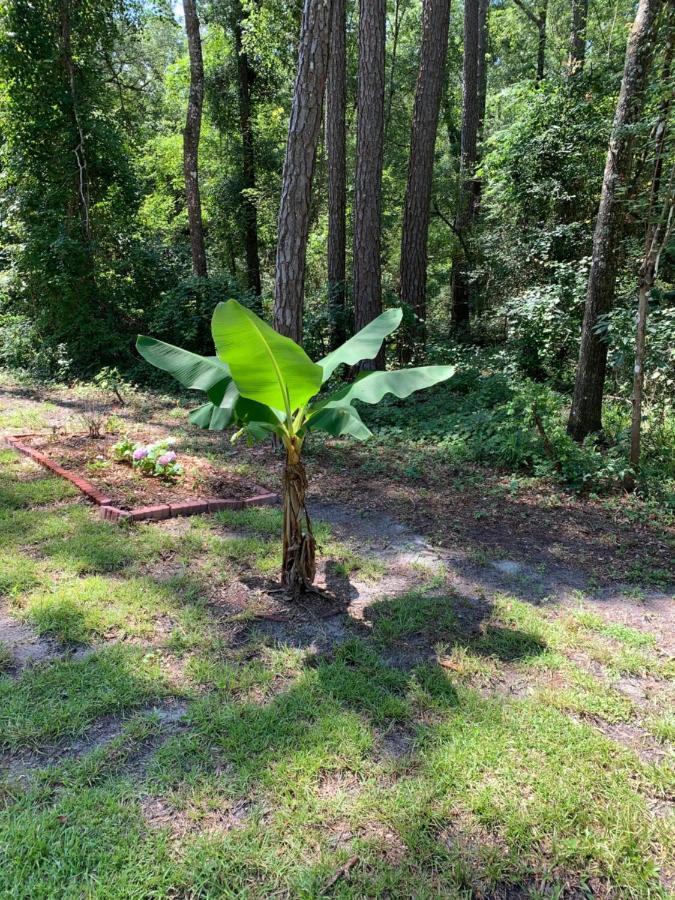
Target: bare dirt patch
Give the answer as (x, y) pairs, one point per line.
(22, 765)
(558, 533)
(23, 645)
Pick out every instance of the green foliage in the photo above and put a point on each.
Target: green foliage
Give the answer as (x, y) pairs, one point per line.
(266, 381)
(156, 460)
(123, 450)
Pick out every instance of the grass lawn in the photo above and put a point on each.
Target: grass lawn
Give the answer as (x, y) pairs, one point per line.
(175, 735)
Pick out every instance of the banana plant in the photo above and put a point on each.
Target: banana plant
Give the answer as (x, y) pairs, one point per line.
(265, 384)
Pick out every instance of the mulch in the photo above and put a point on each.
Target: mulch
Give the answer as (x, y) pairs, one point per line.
(91, 458)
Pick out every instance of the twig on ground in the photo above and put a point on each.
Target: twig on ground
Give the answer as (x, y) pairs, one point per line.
(339, 873)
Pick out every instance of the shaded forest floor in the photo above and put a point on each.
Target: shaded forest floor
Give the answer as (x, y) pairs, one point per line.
(479, 705)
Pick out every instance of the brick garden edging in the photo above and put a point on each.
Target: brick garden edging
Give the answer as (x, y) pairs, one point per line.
(147, 513)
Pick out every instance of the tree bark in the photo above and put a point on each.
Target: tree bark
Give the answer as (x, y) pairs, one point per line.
(82, 175)
(298, 567)
(586, 411)
(577, 55)
(368, 178)
(539, 20)
(473, 111)
(657, 235)
(336, 110)
(296, 191)
(541, 41)
(248, 169)
(415, 232)
(191, 134)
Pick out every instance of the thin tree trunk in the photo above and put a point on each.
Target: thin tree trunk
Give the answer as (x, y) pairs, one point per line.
(541, 41)
(659, 236)
(471, 118)
(415, 232)
(82, 176)
(249, 209)
(296, 191)
(368, 179)
(399, 15)
(586, 411)
(577, 55)
(336, 111)
(191, 132)
(298, 567)
(539, 20)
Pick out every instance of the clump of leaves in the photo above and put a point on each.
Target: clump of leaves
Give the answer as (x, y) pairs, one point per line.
(155, 460)
(123, 451)
(265, 383)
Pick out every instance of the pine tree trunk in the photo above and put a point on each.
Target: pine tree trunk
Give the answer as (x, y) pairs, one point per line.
(577, 55)
(472, 117)
(586, 411)
(336, 109)
(248, 169)
(191, 133)
(415, 232)
(296, 191)
(368, 179)
(298, 567)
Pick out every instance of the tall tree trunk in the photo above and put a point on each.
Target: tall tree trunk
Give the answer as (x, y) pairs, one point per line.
(250, 213)
(296, 191)
(541, 40)
(82, 200)
(400, 9)
(368, 179)
(577, 55)
(539, 20)
(586, 411)
(473, 111)
(657, 235)
(481, 62)
(336, 110)
(191, 132)
(415, 232)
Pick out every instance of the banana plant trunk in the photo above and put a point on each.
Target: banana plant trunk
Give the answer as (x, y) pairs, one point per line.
(298, 566)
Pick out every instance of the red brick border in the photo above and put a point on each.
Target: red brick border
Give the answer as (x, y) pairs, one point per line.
(146, 513)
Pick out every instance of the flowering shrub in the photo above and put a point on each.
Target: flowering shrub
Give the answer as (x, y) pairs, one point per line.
(155, 460)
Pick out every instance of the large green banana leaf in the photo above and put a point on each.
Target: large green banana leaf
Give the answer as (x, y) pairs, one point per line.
(266, 366)
(201, 373)
(364, 345)
(371, 388)
(340, 420)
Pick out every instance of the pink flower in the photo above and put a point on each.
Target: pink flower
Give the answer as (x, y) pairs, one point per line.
(141, 453)
(167, 458)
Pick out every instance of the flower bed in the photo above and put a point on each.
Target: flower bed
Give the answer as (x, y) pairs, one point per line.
(122, 490)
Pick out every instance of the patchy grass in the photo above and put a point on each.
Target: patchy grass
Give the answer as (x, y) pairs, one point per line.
(455, 746)
(65, 697)
(95, 607)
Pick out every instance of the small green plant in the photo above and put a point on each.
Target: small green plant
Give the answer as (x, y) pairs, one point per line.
(123, 450)
(113, 424)
(266, 383)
